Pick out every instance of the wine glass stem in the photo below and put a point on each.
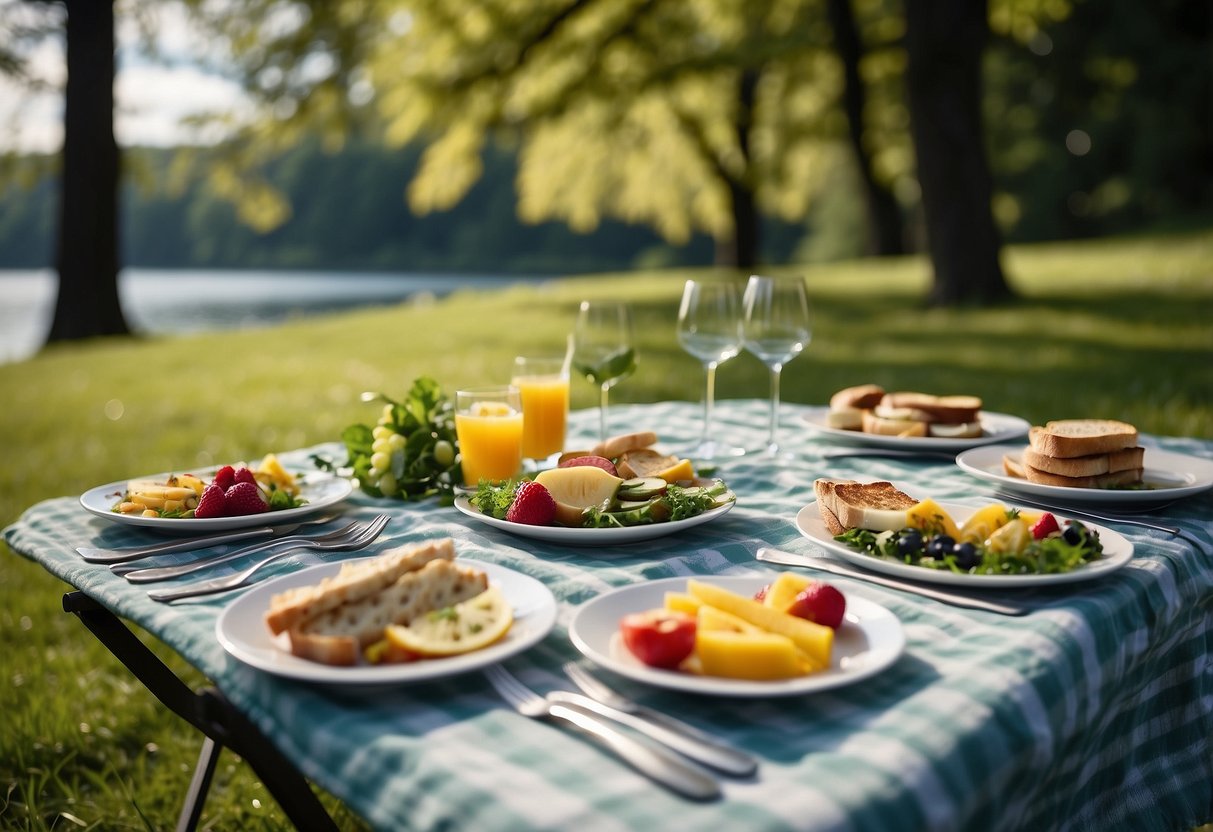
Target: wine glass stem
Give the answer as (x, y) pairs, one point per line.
(775, 371)
(709, 397)
(602, 411)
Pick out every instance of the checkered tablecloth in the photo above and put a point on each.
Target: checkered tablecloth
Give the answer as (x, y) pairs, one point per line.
(1093, 712)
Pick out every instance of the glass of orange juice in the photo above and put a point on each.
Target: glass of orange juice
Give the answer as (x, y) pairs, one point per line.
(543, 383)
(488, 421)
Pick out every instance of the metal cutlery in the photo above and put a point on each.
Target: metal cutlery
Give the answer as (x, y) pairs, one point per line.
(357, 539)
(95, 555)
(890, 453)
(953, 598)
(683, 738)
(136, 574)
(663, 767)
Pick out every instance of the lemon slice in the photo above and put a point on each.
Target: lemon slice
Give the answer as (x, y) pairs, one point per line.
(471, 625)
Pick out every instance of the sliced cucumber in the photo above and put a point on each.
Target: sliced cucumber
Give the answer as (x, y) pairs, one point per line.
(640, 488)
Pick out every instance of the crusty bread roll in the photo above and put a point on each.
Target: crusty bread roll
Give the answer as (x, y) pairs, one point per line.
(354, 582)
(338, 635)
(616, 446)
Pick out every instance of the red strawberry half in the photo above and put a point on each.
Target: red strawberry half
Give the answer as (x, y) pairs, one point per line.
(244, 498)
(225, 477)
(822, 603)
(212, 503)
(244, 475)
(533, 505)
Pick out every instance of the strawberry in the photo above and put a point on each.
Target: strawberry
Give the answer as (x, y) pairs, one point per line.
(212, 503)
(244, 475)
(244, 498)
(225, 477)
(533, 505)
(1045, 526)
(822, 603)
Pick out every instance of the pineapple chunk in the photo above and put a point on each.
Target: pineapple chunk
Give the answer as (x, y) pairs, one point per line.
(815, 640)
(681, 602)
(930, 516)
(759, 656)
(784, 589)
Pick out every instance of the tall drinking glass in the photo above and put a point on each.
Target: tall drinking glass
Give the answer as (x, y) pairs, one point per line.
(709, 328)
(543, 383)
(488, 421)
(776, 330)
(602, 348)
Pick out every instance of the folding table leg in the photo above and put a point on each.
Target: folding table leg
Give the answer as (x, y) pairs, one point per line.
(191, 811)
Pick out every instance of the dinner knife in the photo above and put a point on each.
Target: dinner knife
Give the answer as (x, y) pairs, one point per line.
(707, 752)
(955, 599)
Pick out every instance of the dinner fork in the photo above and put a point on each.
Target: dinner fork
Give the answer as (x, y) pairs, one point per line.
(656, 763)
(137, 575)
(358, 539)
(682, 737)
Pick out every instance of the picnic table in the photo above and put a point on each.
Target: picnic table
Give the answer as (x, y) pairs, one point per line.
(1094, 711)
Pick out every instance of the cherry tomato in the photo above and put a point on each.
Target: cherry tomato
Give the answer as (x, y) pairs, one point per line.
(1045, 526)
(659, 638)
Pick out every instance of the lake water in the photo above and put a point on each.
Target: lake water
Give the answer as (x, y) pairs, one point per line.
(159, 301)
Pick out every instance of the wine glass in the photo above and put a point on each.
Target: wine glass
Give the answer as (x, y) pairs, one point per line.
(602, 348)
(776, 330)
(709, 328)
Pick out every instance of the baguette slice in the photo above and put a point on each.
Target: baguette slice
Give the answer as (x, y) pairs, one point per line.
(846, 504)
(354, 582)
(1086, 466)
(1082, 437)
(338, 635)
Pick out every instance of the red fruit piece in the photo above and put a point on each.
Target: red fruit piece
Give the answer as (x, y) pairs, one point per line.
(225, 477)
(244, 475)
(1045, 526)
(822, 603)
(245, 498)
(761, 594)
(659, 638)
(533, 505)
(212, 503)
(596, 461)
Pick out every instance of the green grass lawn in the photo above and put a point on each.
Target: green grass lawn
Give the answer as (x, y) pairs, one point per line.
(1114, 328)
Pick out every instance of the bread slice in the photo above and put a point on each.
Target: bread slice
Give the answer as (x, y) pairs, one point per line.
(643, 462)
(1014, 466)
(338, 635)
(616, 446)
(952, 409)
(860, 397)
(892, 427)
(353, 583)
(1082, 437)
(846, 504)
(1085, 466)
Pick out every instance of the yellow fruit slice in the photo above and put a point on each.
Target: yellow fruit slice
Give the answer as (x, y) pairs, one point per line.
(758, 656)
(815, 640)
(471, 625)
(930, 516)
(681, 602)
(784, 589)
(983, 523)
(270, 470)
(710, 618)
(576, 489)
(679, 471)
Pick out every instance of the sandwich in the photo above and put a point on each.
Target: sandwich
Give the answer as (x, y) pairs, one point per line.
(335, 620)
(1080, 453)
(847, 406)
(868, 408)
(847, 504)
(633, 455)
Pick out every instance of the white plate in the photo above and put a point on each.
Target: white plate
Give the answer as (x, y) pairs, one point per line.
(592, 537)
(998, 427)
(242, 631)
(869, 640)
(1169, 475)
(1117, 551)
(321, 490)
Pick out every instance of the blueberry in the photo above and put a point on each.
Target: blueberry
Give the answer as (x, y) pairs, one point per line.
(939, 546)
(909, 543)
(966, 555)
(1075, 533)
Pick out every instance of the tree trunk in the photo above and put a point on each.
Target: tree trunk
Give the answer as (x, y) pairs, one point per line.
(741, 249)
(944, 43)
(87, 237)
(886, 234)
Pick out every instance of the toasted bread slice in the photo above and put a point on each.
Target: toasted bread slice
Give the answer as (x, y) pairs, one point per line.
(1086, 466)
(951, 409)
(617, 446)
(879, 506)
(1082, 437)
(338, 635)
(1014, 466)
(892, 427)
(860, 397)
(644, 462)
(354, 582)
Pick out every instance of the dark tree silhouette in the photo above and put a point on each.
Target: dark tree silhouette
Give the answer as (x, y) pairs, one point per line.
(944, 44)
(87, 234)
